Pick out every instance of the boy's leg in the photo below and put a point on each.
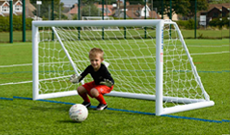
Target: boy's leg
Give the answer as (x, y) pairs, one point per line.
(101, 99)
(95, 93)
(98, 93)
(83, 93)
(102, 105)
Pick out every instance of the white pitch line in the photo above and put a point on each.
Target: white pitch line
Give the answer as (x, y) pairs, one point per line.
(20, 44)
(16, 65)
(208, 46)
(11, 83)
(30, 64)
(210, 53)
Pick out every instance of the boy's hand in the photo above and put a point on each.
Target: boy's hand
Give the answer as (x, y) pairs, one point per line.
(74, 78)
(107, 82)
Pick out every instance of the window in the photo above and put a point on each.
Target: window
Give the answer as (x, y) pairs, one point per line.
(18, 8)
(5, 9)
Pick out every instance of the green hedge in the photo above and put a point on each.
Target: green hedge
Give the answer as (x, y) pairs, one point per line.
(17, 23)
(216, 22)
(190, 24)
(187, 24)
(183, 24)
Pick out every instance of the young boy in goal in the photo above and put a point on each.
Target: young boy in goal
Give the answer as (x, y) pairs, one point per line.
(102, 84)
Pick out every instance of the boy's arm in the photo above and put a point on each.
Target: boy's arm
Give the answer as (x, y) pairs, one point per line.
(76, 79)
(107, 82)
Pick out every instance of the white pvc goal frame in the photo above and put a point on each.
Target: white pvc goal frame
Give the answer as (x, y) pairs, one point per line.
(159, 98)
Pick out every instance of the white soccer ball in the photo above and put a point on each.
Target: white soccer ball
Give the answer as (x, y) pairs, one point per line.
(78, 112)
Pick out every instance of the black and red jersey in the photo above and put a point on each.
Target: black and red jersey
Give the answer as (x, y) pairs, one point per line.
(99, 75)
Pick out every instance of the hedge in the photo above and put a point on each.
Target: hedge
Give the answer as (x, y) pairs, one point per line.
(183, 24)
(17, 23)
(187, 24)
(216, 22)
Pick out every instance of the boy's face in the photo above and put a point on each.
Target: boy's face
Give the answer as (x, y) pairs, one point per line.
(96, 61)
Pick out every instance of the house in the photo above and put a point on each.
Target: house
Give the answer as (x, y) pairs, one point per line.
(4, 8)
(17, 8)
(29, 9)
(135, 11)
(214, 11)
(73, 10)
(174, 17)
(117, 10)
(108, 9)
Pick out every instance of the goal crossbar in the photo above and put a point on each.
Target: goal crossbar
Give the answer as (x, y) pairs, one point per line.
(80, 23)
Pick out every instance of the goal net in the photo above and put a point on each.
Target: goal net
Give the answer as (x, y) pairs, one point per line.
(148, 59)
(99, 28)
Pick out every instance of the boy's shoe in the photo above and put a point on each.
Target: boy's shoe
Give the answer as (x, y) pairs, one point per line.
(101, 107)
(86, 104)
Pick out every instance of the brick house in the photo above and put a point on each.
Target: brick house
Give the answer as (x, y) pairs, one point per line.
(134, 11)
(117, 10)
(108, 9)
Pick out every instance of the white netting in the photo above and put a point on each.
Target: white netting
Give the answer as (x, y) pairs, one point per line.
(130, 53)
(179, 78)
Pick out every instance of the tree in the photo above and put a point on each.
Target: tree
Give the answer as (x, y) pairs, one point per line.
(218, 1)
(201, 5)
(45, 11)
(134, 2)
(185, 7)
(109, 2)
(90, 10)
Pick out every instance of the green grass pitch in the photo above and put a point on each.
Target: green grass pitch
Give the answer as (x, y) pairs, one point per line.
(24, 116)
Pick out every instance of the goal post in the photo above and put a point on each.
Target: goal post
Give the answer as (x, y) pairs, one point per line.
(150, 62)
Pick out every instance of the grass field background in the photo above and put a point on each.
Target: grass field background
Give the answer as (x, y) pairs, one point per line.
(24, 116)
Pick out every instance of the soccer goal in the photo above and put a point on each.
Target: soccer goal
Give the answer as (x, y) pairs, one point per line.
(148, 60)
(99, 28)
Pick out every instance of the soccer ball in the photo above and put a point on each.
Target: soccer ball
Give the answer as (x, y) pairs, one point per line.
(78, 112)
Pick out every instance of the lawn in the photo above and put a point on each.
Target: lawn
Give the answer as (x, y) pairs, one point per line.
(21, 115)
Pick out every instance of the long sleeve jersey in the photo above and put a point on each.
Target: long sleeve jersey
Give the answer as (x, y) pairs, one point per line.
(98, 76)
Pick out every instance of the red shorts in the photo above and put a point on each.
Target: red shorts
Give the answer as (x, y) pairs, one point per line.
(102, 89)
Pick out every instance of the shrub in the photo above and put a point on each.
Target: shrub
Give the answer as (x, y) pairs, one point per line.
(186, 24)
(216, 22)
(190, 24)
(4, 24)
(225, 22)
(181, 24)
(17, 23)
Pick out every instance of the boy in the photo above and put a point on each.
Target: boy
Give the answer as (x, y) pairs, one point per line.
(102, 84)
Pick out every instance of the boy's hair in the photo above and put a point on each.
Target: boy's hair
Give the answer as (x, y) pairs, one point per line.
(96, 51)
